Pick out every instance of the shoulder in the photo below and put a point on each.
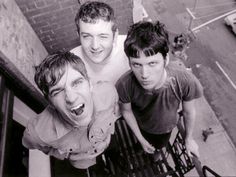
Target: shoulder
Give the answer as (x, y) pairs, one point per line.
(180, 73)
(119, 44)
(44, 119)
(40, 129)
(126, 78)
(186, 82)
(126, 86)
(77, 50)
(121, 38)
(104, 95)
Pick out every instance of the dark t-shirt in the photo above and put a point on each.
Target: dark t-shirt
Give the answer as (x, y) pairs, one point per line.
(156, 111)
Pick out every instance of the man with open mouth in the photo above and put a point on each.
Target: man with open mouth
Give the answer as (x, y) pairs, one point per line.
(79, 120)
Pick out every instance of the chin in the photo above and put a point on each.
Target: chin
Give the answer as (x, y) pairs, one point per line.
(84, 122)
(97, 60)
(148, 87)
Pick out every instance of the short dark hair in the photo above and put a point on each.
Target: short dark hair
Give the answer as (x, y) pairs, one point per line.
(92, 11)
(148, 38)
(49, 72)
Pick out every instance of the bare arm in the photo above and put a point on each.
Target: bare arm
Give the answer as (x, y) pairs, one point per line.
(189, 113)
(132, 123)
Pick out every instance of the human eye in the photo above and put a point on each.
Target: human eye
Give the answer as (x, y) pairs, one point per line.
(77, 82)
(54, 93)
(153, 63)
(136, 65)
(103, 36)
(85, 36)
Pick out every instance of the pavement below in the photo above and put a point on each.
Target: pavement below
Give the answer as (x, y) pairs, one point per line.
(217, 151)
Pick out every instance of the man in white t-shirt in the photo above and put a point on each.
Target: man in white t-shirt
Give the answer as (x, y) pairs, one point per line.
(101, 47)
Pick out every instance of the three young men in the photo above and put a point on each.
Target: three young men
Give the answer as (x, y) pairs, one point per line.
(151, 93)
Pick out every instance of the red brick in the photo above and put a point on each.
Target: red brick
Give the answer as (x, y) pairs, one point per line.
(39, 25)
(63, 12)
(31, 13)
(23, 8)
(47, 33)
(42, 17)
(45, 29)
(46, 38)
(40, 4)
(31, 5)
(50, 1)
(51, 8)
(69, 3)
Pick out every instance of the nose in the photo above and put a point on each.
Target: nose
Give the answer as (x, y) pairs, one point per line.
(70, 96)
(144, 72)
(95, 44)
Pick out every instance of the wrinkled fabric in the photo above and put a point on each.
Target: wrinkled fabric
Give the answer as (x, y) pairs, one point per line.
(50, 133)
(156, 111)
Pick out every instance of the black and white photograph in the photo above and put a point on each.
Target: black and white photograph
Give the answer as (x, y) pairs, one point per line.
(117, 88)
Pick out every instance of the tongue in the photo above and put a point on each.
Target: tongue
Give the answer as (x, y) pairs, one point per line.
(79, 111)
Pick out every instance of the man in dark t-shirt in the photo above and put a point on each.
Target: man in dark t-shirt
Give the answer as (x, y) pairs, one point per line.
(152, 92)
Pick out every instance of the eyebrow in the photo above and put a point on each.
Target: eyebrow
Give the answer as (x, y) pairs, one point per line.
(62, 88)
(55, 89)
(98, 34)
(77, 79)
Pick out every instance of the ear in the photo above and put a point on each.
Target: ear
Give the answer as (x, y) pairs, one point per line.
(115, 37)
(167, 59)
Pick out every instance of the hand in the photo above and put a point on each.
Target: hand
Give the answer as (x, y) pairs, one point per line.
(192, 147)
(147, 147)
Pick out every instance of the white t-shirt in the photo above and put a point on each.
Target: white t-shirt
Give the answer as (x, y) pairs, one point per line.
(117, 64)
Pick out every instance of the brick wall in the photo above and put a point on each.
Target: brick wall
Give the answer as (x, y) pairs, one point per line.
(53, 20)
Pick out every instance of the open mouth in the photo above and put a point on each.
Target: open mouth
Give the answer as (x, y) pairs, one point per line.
(78, 110)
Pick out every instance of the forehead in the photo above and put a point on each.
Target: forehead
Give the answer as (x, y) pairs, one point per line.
(146, 59)
(69, 76)
(100, 26)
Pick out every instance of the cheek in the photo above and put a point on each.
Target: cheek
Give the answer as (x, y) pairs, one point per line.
(136, 72)
(107, 44)
(58, 102)
(85, 43)
(158, 69)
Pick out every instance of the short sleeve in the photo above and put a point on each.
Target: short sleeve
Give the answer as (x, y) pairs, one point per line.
(122, 87)
(191, 87)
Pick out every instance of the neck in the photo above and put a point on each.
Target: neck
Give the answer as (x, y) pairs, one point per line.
(162, 81)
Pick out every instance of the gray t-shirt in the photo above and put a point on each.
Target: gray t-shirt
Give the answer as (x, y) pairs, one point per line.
(156, 112)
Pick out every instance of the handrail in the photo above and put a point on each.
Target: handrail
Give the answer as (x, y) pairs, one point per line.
(5, 115)
(20, 85)
(206, 168)
(195, 159)
(13, 82)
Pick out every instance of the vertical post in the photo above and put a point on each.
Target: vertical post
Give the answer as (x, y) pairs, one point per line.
(191, 20)
(139, 13)
(6, 111)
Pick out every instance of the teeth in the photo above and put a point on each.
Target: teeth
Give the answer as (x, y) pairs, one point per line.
(72, 109)
(78, 109)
